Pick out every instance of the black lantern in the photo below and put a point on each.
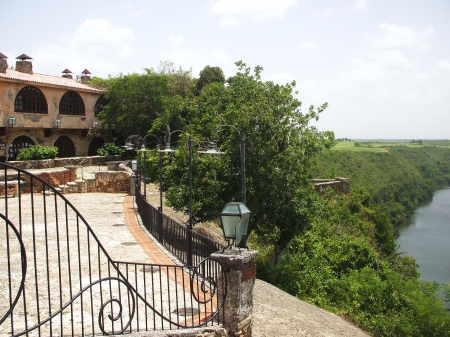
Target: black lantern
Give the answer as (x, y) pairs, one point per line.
(234, 219)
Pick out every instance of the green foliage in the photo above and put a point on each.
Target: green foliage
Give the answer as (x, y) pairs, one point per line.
(280, 147)
(337, 264)
(398, 180)
(37, 152)
(210, 75)
(109, 149)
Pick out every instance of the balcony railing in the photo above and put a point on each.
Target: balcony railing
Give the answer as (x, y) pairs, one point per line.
(56, 278)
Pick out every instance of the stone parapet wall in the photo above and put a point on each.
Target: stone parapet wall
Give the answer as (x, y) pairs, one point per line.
(62, 162)
(113, 181)
(198, 332)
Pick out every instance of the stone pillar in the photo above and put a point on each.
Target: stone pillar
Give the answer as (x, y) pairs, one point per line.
(241, 271)
(3, 65)
(24, 67)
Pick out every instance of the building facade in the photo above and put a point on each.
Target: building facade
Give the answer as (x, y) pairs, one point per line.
(49, 111)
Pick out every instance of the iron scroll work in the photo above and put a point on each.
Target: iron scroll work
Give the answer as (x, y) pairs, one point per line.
(56, 277)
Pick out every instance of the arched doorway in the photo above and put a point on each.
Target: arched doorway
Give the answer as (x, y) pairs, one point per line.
(96, 143)
(65, 146)
(17, 144)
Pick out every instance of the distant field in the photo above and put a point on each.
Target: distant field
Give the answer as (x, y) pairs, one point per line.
(380, 146)
(350, 146)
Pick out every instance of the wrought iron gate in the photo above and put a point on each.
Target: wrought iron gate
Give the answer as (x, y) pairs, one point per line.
(57, 279)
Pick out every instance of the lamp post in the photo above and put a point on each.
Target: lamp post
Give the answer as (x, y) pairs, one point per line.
(189, 227)
(234, 213)
(144, 149)
(130, 145)
(140, 143)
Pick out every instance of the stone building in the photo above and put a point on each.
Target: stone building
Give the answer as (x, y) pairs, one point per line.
(49, 111)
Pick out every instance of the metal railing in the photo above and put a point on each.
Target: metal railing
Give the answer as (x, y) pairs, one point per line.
(56, 278)
(173, 235)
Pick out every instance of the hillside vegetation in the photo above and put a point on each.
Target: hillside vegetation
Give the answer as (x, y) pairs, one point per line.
(347, 262)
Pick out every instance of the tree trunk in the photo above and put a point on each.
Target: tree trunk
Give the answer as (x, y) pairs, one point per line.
(278, 251)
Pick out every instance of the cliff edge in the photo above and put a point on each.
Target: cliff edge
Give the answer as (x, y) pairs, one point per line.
(276, 313)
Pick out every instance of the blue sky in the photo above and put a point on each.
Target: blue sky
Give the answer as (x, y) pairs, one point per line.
(383, 66)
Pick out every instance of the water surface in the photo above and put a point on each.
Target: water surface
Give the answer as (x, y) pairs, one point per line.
(426, 237)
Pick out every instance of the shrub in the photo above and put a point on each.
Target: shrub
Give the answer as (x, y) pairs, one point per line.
(110, 149)
(37, 152)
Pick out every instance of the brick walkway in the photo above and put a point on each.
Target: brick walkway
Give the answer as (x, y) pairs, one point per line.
(153, 250)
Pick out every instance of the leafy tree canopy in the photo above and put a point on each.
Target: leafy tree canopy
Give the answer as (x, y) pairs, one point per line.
(280, 147)
(210, 75)
(139, 103)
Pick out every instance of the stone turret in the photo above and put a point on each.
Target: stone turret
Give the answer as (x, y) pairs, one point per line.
(23, 64)
(67, 73)
(3, 63)
(85, 76)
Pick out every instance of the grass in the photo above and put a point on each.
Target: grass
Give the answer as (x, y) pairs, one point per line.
(380, 146)
(350, 146)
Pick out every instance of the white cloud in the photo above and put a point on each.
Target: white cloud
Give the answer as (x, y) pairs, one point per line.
(176, 40)
(93, 45)
(444, 65)
(98, 34)
(392, 36)
(322, 13)
(359, 5)
(235, 12)
(310, 45)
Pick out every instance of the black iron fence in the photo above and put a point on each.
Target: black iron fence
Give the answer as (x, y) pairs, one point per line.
(56, 278)
(174, 236)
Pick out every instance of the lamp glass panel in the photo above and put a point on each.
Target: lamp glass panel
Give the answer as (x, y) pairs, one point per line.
(231, 208)
(229, 223)
(244, 208)
(238, 233)
(134, 165)
(244, 221)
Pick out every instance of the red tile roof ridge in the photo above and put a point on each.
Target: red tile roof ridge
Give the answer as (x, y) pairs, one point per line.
(57, 81)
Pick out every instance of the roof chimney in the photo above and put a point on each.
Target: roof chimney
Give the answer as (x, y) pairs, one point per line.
(85, 76)
(3, 63)
(23, 65)
(67, 73)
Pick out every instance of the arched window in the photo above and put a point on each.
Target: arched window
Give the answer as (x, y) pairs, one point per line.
(96, 143)
(65, 146)
(18, 143)
(31, 99)
(101, 102)
(71, 104)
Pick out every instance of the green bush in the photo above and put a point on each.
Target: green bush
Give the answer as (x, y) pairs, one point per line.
(37, 152)
(110, 149)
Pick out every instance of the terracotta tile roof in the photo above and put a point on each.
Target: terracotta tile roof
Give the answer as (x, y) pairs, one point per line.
(23, 57)
(48, 80)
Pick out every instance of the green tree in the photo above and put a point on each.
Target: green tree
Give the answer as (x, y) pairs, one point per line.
(280, 147)
(210, 75)
(135, 101)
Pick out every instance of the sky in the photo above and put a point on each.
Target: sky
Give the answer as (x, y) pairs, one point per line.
(383, 66)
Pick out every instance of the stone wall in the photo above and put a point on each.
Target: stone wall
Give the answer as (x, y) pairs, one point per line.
(341, 184)
(113, 181)
(62, 162)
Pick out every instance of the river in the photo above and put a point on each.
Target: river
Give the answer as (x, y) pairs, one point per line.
(426, 237)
